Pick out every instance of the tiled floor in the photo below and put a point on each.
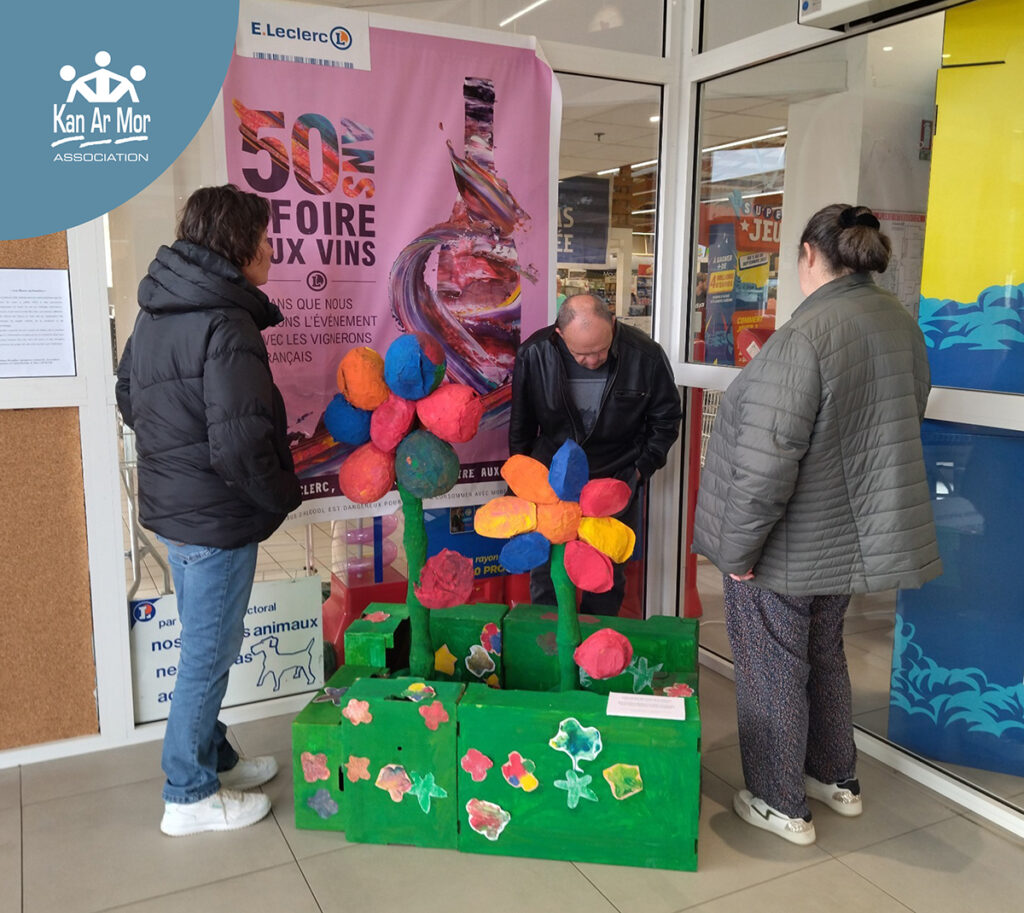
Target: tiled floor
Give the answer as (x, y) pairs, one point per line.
(81, 834)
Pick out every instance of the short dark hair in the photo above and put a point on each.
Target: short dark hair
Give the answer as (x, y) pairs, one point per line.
(849, 238)
(226, 220)
(571, 308)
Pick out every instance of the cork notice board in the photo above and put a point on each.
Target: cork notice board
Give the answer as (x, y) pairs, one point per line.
(47, 668)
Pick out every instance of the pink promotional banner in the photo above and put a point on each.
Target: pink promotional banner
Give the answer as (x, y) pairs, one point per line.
(410, 189)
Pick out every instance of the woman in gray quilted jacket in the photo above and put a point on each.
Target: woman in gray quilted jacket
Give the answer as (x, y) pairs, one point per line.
(814, 488)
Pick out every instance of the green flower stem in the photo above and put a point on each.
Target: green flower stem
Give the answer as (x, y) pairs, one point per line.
(568, 635)
(421, 657)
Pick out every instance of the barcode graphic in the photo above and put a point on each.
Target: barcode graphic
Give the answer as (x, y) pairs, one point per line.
(316, 61)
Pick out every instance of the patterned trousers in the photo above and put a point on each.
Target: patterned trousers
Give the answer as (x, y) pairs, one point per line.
(793, 700)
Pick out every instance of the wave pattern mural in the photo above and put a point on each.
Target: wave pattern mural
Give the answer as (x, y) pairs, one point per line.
(955, 715)
(980, 344)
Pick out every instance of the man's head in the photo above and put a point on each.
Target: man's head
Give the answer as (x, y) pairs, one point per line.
(586, 325)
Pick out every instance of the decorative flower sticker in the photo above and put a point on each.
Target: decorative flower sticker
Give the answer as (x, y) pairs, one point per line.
(377, 617)
(418, 691)
(487, 818)
(518, 772)
(322, 803)
(580, 743)
(424, 789)
(479, 661)
(490, 638)
(476, 764)
(434, 715)
(577, 787)
(330, 695)
(555, 507)
(393, 779)
(314, 767)
(679, 689)
(357, 712)
(357, 769)
(624, 780)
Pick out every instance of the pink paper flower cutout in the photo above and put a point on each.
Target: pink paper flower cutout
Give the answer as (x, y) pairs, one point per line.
(377, 617)
(314, 767)
(434, 715)
(357, 712)
(357, 769)
(476, 764)
(680, 689)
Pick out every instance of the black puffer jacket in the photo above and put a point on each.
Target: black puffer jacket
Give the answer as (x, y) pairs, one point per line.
(639, 415)
(195, 384)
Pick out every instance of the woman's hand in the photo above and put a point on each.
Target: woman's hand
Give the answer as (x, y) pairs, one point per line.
(749, 575)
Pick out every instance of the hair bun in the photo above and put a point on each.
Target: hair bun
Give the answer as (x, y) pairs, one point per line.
(858, 215)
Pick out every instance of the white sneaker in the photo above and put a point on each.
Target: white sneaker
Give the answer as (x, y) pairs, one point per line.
(225, 810)
(843, 797)
(249, 773)
(760, 814)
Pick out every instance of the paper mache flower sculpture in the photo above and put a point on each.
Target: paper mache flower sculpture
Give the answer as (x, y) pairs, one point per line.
(402, 421)
(558, 514)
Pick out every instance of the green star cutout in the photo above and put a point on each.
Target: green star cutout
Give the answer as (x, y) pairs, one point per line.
(576, 787)
(424, 789)
(643, 675)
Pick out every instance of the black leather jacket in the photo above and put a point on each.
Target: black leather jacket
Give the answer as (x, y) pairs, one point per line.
(638, 420)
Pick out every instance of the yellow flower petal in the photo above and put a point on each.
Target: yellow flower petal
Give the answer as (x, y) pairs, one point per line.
(503, 518)
(608, 535)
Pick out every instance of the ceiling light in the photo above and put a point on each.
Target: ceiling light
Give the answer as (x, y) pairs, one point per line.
(617, 170)
(743, 142)
(654, 118)
(607, 171)
(642, 212)
(522, 12)
(887, 47)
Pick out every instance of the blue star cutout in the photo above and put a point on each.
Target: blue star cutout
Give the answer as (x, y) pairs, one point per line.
(424, 789)
(330, 694)
(577, 787)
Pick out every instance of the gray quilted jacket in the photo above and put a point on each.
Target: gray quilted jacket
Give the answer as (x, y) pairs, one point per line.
(814, 475)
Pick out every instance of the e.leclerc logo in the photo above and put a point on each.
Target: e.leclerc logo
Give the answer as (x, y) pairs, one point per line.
(101, 115)
(340, 37)
(144, 611)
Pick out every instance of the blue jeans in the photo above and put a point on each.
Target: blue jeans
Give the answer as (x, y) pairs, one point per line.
(212, 587)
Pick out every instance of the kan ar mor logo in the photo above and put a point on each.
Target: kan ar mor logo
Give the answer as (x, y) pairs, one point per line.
(101, 119)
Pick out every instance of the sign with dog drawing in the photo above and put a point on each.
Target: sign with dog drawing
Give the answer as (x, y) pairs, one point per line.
(282, 651)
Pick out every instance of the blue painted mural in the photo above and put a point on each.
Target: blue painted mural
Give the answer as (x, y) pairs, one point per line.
(958, 652)
(977, 345)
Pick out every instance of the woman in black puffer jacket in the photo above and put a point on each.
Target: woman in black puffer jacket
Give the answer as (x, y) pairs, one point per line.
(215, 478)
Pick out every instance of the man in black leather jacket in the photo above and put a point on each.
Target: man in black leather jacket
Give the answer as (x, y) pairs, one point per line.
(610, 388)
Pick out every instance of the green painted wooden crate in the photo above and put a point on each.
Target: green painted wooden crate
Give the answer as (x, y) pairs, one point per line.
(380, 637)
(520, 796)
(467, 643)
(318, 753)
(400, 740)
(664, 652)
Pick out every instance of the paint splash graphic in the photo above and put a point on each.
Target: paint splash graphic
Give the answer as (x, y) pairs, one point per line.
(460, 281)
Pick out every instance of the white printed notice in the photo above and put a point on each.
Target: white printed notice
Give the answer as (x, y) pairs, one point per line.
(649, 706)
(282, 651)
(35, 324)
